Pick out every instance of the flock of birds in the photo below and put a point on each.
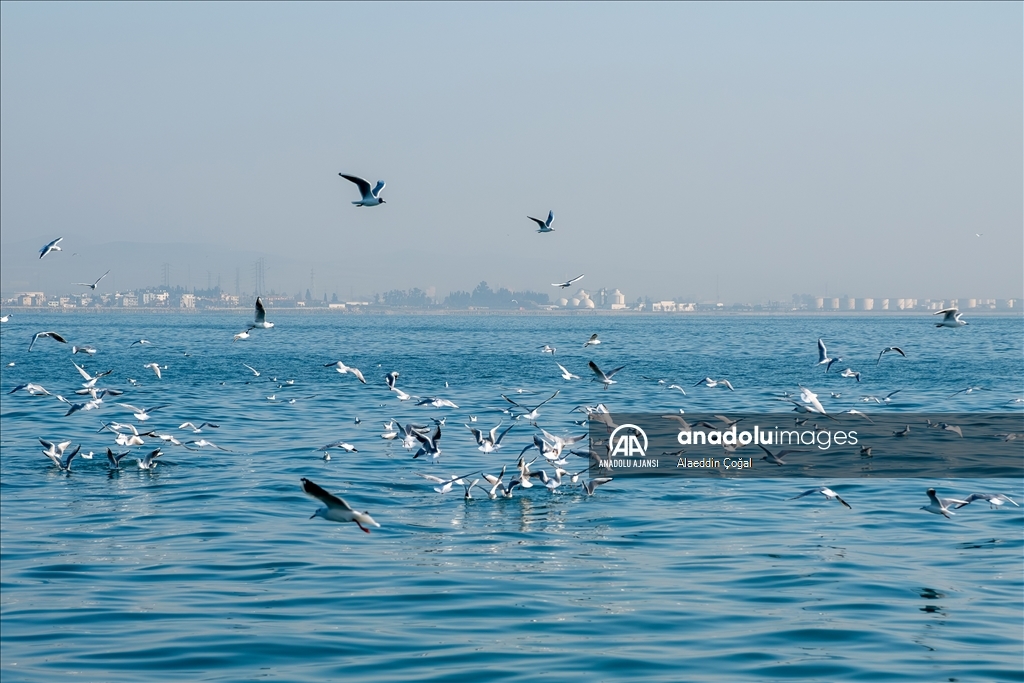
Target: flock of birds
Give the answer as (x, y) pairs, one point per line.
(554, 450)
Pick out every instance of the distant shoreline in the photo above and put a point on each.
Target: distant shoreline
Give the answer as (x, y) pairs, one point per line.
(383, 311)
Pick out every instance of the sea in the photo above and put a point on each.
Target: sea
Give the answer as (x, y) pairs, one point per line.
(210, 568)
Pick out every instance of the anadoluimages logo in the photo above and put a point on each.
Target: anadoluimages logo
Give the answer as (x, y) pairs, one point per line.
(626, 443)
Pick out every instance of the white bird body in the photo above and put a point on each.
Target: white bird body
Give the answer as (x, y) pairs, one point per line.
(155, 367)
(604, 377)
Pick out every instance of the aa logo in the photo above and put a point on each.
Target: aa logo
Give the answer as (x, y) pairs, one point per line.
(625, 442)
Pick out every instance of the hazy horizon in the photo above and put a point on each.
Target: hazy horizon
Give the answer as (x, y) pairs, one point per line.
(755, 151)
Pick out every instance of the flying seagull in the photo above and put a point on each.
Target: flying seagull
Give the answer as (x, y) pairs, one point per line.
(886, 350)
(567, 283)
(344, 369)
(52, 246)
(593, 341)
(371, 197)
(260, 319)
(337, 509)
(545, 226)
(531, 413)
(940, 506)
(823, 356)
(604, 377)
(42, 335)
(952, 318)
(93, 285)
(825, 491)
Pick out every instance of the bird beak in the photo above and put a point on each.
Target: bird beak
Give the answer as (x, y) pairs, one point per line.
(312, 515)
(383, 202)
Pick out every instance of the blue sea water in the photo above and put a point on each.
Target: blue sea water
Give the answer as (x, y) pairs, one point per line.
(209, 567)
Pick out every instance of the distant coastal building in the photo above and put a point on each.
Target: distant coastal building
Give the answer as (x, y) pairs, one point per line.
(188, 301)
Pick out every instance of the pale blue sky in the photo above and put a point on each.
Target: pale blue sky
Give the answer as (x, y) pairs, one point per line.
(775, 148)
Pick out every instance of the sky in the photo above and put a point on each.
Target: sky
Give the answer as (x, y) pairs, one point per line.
(733, 152)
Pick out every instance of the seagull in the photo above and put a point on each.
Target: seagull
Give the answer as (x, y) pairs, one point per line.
(52, 246)
(951, 428)
(566, 375)
(544, 226)
(344, 369)
(940, 506)
(436, 402)
(952, 318)
(155, 367)
(531, 413)
(92, 286)
(495, 482)
(83, 349)
(254, 370)
(825, 491)
(853, 411)
(6, 318)
(548, 349)
(31, 389)
(115, 458)
(42, 335)
(676, 386)
(605, 378)
(488, 442)
(902, 432)
(337, 509)
(260, 319)
(776, 458)
(445, 484)
(865, 451)
(90, 380)
(62, 463)
(431, 445)
(712, 383)
(390, 378)
(968, 390)
(202, 443)
(887, 399)
(196, 429)
(994, 499)
(593, 341)
(142, 342)
(370, 197)
(347, 447)
(886, 350)
(149, 461)
(409, 432)
(592, 485)
(567, 283)
(823, 356)
(141, 414)
(850, 373)
(244, 334)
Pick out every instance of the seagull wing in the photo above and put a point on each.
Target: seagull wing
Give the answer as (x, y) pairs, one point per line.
(537, 221)
(380, 186)
(809, 492)
(323, 496)
(597, 371)
(358, 374)
(364, 189)
(546, 400)
(822, 353)
(612, 373)
(82, 372)
(551, 217)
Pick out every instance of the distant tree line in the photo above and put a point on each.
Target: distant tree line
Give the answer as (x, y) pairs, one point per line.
(485, 297)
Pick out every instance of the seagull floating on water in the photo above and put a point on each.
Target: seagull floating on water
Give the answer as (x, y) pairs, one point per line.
(370, 196)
